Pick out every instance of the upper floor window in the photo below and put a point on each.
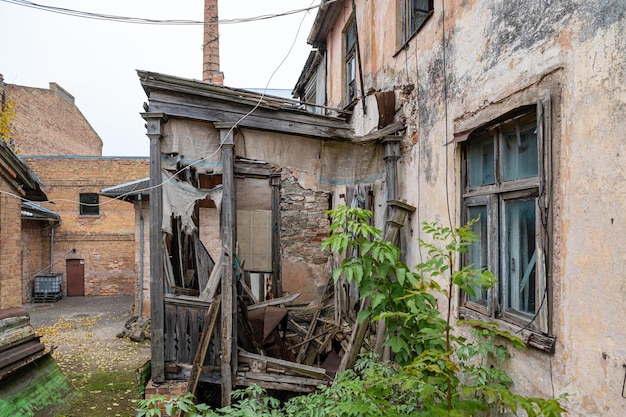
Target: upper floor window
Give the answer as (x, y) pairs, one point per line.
(350, 36)
(505, 188)
(415, 13)
(89, 204)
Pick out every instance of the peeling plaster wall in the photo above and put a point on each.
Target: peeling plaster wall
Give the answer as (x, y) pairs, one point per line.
(499, 55)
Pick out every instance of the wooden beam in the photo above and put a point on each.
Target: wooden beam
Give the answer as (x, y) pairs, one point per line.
(293, 367)
(157, 305)
(274, 301)
(203, 345)
(277, 284)
(228, 235)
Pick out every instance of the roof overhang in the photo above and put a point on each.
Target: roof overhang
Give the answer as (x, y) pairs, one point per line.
(324, 22)
(20, 175)
(128, 191)
(198, 100)
(31, 211)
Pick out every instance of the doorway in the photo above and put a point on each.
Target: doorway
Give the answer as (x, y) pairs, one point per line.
(75, 277)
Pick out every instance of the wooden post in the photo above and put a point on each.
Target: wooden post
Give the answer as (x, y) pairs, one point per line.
(154, 126)
(277, 282)
(229, 295)
(392, 154)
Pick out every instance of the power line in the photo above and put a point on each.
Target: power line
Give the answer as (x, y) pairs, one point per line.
(166, 22)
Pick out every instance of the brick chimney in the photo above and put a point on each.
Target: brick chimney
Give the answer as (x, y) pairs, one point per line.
(211, 46)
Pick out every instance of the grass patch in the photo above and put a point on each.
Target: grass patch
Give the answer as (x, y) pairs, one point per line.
(102, 394)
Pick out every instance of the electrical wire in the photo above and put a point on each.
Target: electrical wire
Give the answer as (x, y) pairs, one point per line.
(173, 177)
(164, 22)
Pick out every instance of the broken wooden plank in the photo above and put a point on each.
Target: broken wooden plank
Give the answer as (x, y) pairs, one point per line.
(278, 382)
(203, 344)
(274, 301)
(214, 280)
(293, 367)
(356, 340)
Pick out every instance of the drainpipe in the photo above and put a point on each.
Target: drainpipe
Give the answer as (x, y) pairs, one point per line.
(141, 254)
(54, 226)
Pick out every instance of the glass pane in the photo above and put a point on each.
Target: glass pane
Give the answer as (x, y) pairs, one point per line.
(418, 13)
(520, 255)
(520, 158)
(478, 251)
(481, 162)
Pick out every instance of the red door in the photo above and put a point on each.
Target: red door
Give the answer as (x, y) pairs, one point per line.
(75, 277)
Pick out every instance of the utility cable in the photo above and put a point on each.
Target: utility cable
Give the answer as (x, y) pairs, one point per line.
(166, 22)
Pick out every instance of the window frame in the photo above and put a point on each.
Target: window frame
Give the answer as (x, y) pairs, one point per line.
(408, 19)
(537, 328)
(350, 58)
(89, 204)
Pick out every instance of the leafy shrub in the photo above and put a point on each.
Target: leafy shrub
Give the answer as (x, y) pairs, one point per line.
(437, 371)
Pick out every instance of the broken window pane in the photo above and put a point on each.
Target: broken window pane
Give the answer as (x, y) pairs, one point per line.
(481, 162)
(478, 251)
(520, 152)
(520, 255)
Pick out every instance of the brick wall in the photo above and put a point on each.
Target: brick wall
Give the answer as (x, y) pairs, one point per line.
(304, 225)
(106, 242)
(10, 248)
(35, 254)
(48, 123)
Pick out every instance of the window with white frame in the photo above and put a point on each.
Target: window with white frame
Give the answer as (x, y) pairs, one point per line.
(350, 36)
(415, 14)
(506, 188)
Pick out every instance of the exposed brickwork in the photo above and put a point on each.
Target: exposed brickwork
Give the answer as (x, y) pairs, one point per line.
(304, 225)
(106, 241)
(35, 254)
(168, 389)
(47, 122)
(10, 252)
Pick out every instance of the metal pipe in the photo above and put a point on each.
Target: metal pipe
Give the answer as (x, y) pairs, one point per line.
(141, 255)
(54, 226)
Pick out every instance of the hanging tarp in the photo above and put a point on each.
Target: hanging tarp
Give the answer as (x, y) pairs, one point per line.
(179, 200)
(189, 142)
(346, 163)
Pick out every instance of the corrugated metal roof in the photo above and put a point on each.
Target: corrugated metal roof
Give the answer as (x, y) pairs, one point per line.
(128, 190)
(32, 211)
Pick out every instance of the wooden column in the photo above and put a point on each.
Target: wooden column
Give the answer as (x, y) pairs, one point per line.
(277, 282)
(392, 154)
(154, 125)
(229, 289)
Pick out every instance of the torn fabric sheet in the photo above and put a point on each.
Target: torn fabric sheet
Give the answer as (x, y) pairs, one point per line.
(346, 163)
(179, 200)
(187, 142)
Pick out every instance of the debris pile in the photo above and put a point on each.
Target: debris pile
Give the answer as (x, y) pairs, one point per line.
(136, 329)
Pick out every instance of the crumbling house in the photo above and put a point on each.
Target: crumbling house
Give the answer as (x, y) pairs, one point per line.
(240, 184)
(506, 111)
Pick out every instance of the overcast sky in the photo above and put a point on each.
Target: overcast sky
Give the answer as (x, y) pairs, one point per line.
(95, 60)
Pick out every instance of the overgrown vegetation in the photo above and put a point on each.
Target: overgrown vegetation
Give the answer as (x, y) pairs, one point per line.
(437, 370)
(7, 115)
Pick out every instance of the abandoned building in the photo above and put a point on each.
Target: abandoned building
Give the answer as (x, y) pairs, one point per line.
(506, 111)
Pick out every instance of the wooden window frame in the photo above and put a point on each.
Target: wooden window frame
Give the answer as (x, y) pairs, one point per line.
(411, 25)
(535, 329)
(350, 55)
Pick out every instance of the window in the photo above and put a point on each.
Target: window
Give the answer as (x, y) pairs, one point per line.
(350, 61)
(89, 204)
(415, 14)
(506, 187)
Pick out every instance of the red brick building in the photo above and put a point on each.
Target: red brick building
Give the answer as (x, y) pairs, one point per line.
(94, 238)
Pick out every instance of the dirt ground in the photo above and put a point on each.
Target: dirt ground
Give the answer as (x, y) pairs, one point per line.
(82, 331)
